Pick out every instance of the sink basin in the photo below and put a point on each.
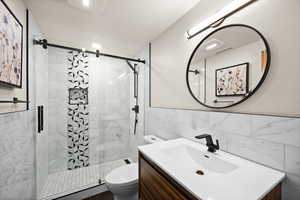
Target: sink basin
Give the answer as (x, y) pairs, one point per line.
(209, 176)
(204, 160)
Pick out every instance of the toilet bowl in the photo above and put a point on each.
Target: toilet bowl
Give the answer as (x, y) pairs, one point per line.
(123, 182)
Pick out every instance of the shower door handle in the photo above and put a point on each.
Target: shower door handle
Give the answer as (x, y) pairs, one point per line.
(40, 119)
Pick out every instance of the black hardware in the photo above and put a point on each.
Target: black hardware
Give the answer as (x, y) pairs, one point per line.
(127, 161)
(39, 119)
(209, 142)
(42, 118)
(44, 43)
(149, 77)
(97, 53)
(196, 72)
(136, 108)
(15, 101)
(200, 172)
(136, 84)
(27, 59)
(131, 67)
(222, 101)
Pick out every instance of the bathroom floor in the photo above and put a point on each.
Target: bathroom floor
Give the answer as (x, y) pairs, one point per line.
(103, 196)
(67, 182)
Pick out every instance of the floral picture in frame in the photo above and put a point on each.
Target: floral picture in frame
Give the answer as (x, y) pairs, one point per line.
(11, 47)
(233, 80)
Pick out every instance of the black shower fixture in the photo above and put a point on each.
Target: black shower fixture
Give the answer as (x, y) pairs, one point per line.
(136, 108)
(196, 72)
(44, 43)
(97, 53)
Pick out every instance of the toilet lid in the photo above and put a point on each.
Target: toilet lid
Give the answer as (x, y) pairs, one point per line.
(125, 174)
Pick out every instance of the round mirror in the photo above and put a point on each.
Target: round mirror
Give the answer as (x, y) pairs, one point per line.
(228, 66)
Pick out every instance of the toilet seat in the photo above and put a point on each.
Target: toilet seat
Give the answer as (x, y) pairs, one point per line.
(123, 176)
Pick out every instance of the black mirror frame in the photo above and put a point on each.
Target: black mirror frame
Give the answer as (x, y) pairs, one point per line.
(251, 92)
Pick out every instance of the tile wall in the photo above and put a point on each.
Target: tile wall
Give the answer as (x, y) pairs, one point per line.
(268, 140)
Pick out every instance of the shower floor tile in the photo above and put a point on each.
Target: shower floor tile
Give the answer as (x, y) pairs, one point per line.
(70, 181)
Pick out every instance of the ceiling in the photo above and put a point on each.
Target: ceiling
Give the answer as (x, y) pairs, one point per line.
(230, 38)
(121, 26)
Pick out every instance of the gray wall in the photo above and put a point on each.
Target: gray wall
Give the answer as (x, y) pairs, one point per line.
(17, 143)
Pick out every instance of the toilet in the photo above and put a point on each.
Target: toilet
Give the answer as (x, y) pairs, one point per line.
(123, 181)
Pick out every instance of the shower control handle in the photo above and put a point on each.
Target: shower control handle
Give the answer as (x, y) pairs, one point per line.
(136, 109)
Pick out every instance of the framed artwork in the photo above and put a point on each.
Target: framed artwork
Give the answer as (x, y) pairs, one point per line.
(232, 81)
(11, 47)
(78, 96)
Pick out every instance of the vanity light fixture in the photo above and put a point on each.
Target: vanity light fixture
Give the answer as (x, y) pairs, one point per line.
(217, 19)
(86, 3)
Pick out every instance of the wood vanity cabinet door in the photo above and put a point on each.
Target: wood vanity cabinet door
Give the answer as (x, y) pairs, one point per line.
(153, 186)
(275, 194)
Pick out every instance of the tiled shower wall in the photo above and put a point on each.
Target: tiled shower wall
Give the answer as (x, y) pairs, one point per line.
(271, 141)
(110, 117)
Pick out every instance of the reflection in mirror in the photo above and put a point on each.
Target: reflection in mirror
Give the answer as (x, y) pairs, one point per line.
(228, 66)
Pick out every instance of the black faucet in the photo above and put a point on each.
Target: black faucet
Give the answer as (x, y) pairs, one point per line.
(209, 142)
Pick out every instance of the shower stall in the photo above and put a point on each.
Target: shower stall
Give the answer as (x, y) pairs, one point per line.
(89, 118)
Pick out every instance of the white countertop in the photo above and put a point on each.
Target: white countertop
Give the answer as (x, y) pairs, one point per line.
(248, 181)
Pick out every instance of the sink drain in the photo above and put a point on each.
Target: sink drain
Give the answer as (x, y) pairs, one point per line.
(200, 172)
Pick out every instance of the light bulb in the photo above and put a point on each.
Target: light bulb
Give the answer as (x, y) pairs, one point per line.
(86, 3)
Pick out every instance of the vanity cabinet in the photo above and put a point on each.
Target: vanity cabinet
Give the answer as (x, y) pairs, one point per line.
(155, 184)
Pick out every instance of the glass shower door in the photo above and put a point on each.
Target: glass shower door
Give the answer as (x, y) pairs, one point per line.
(90, 122)
(69, 159)
(40, 61)
(112, 102)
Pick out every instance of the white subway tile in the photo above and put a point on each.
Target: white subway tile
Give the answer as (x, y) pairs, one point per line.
(230, 123)
(261, 151)
(278, 129)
